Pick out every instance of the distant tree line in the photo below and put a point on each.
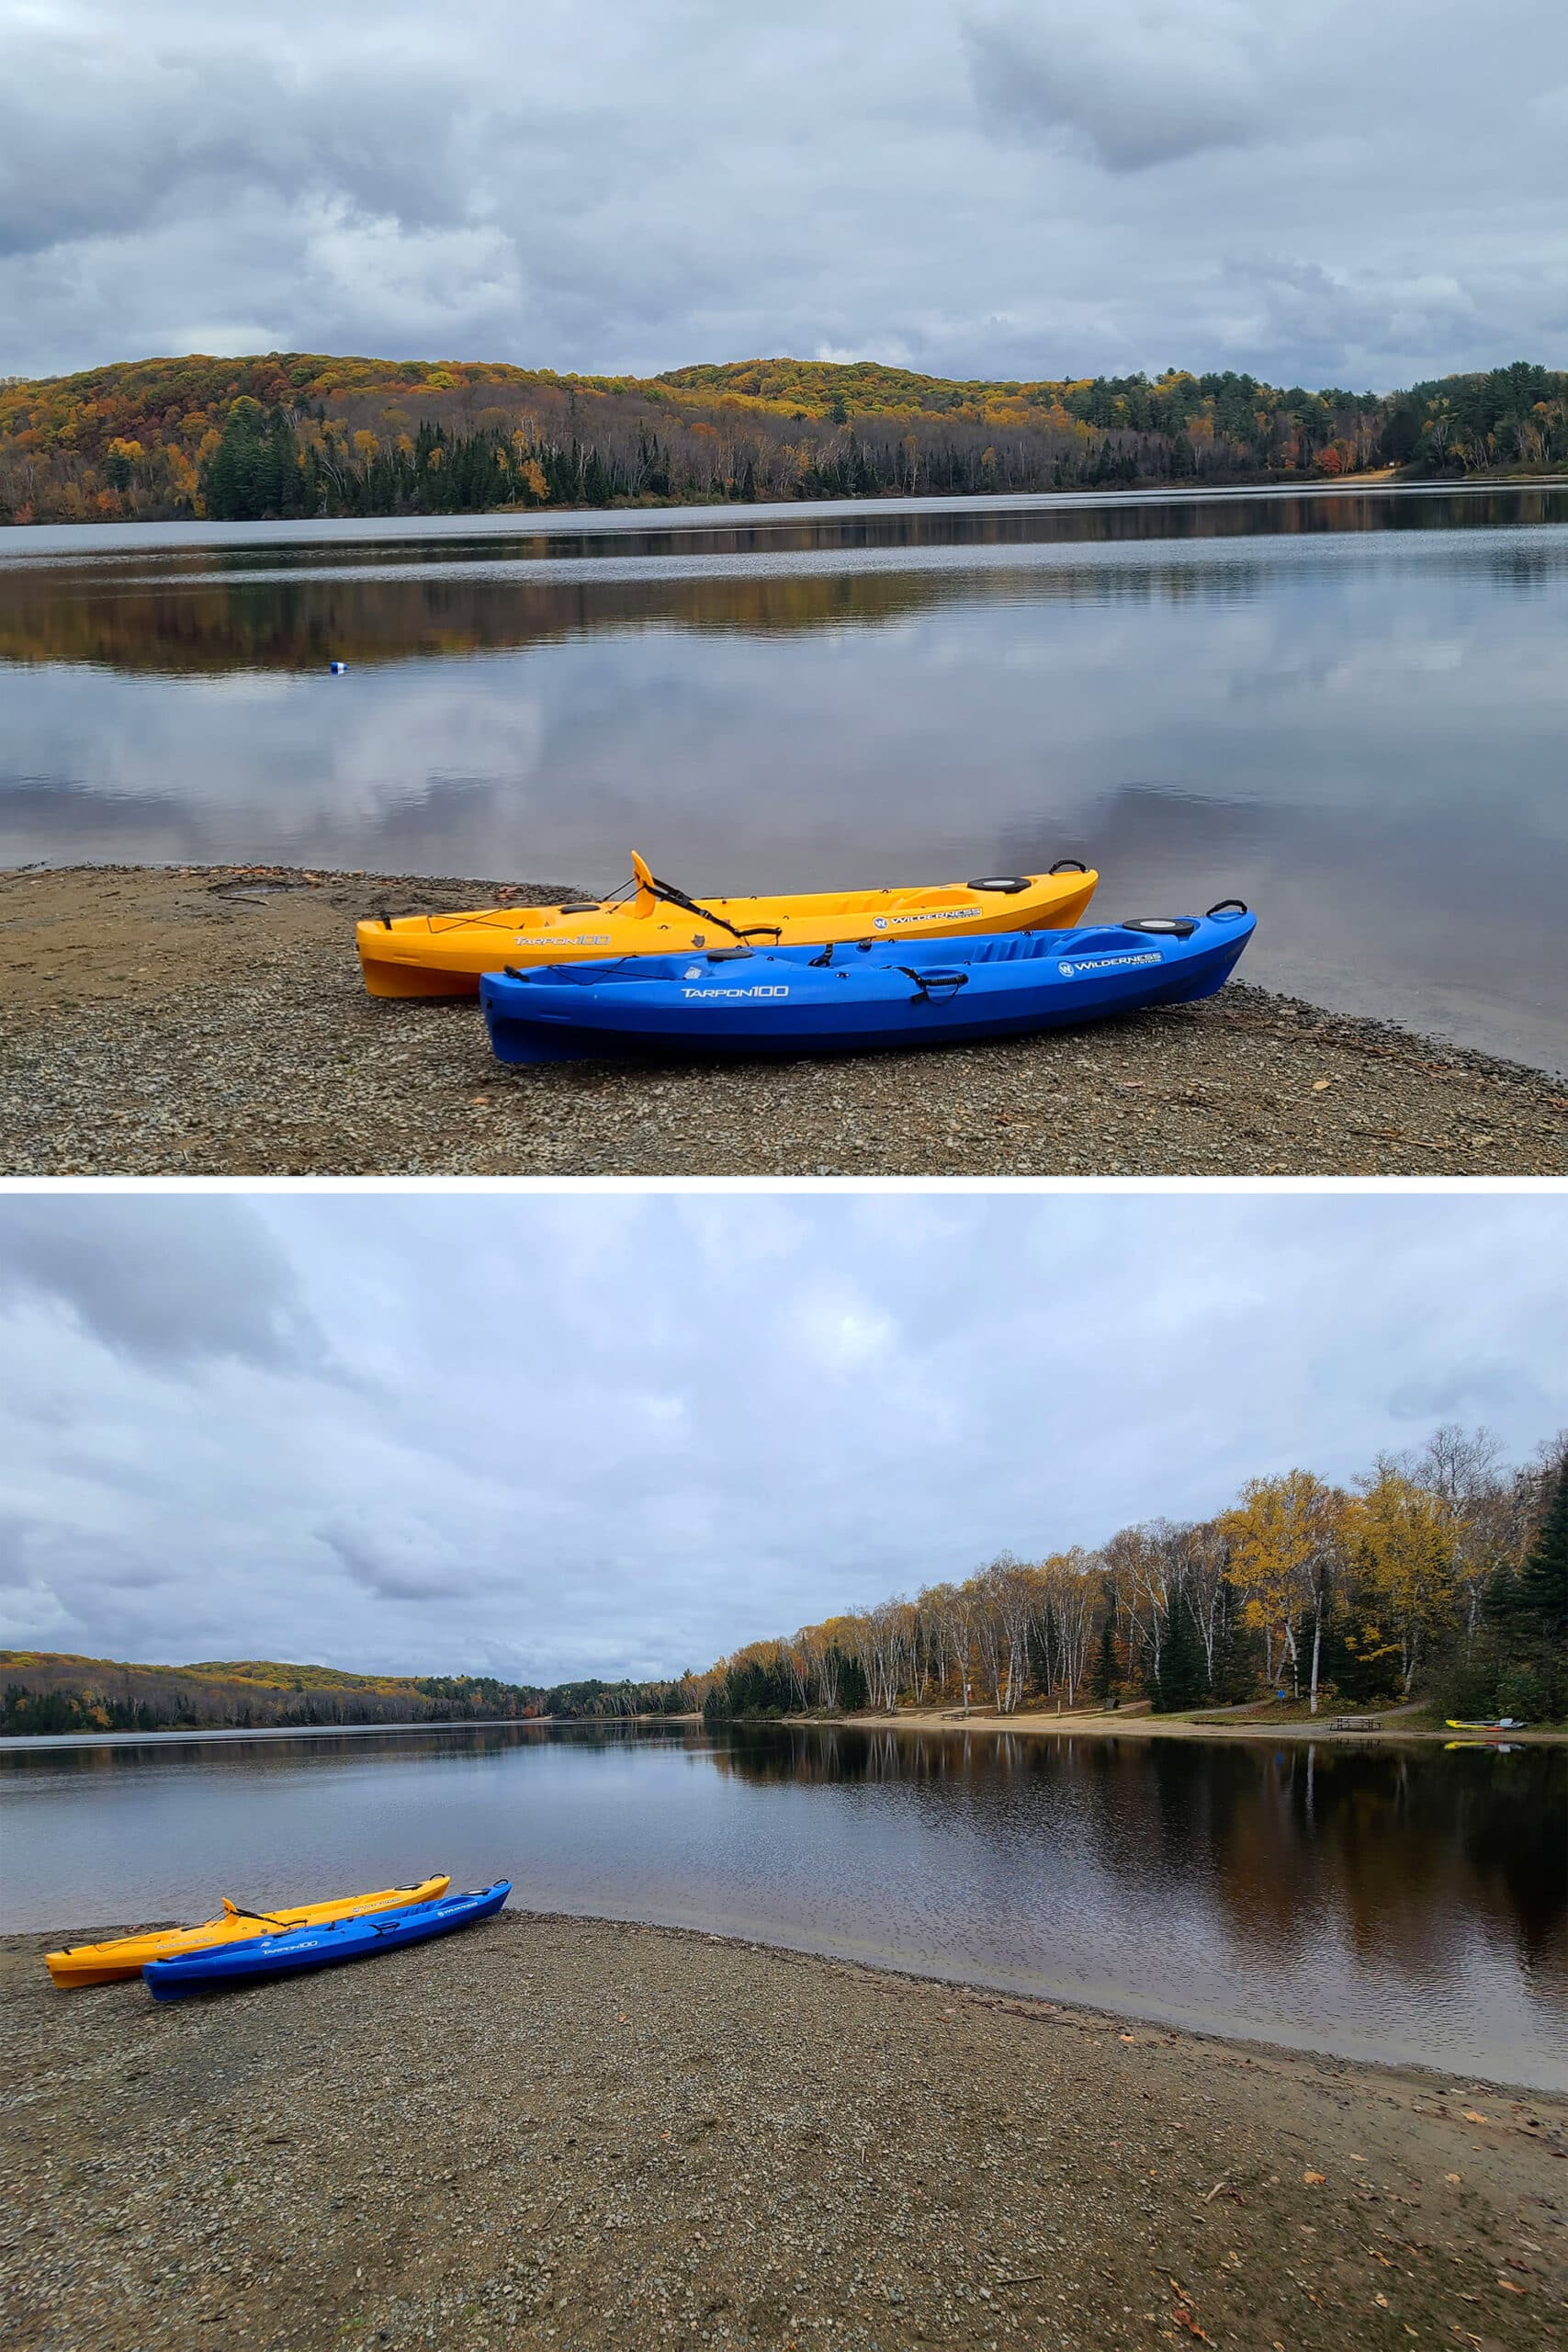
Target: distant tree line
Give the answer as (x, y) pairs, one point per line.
(1439, 1575)
(290, 435)
(43, 1694)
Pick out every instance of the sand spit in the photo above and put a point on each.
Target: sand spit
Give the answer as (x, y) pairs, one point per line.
(211, 1021)
(568, 2133)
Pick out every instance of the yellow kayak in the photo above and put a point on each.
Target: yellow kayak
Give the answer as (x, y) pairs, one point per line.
(126, 1955)
(445, 955)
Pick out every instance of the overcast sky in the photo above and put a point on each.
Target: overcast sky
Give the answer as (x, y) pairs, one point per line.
(1024, 187)
(549, 1435)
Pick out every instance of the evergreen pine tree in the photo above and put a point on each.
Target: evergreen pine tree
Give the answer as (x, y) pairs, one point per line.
(1532, 1607)
(1237, 1662)
(854, 1690)
(1107, 1676)
(1183, 1679)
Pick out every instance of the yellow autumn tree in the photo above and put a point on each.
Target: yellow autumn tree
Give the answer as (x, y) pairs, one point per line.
(1404, 1539)
(1283, 1535)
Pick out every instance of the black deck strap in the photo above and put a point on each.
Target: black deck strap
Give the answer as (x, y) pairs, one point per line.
(668, 891)
(1069, 865)
(512, 971)
(386, 923)
(1221, 906)
(825, 958)
(757, 930)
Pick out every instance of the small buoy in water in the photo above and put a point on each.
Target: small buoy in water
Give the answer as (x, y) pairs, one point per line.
(338, 668)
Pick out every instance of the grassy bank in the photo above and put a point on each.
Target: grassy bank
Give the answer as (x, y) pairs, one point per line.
(568, 2133)
(211, 1022)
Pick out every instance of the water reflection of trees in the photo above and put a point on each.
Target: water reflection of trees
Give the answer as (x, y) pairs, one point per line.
(261, 1755)
(1398, 1856)
(204, 610)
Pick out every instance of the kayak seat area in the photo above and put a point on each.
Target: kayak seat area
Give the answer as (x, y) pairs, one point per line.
(1027, 946)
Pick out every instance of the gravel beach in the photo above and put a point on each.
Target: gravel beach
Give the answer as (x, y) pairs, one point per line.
(570, 2134)
(211, 1021)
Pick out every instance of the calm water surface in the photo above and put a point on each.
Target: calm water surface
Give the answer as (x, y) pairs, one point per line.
(1351, 709)
(1397, 1904)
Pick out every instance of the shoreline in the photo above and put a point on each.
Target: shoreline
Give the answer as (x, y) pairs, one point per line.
(1373, 482)
(1129, 1723)
(1121, 1724)
(568, 2132)
(211, 1021)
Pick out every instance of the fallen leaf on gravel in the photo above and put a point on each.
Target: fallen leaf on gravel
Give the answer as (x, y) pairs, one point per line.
(1470, 2117)
(1512, 2286)
(1128, 2036)
(1185, 2319)
(1382, 2301)
(1455, 2176)
(1319, 1084)
(1314, 2179)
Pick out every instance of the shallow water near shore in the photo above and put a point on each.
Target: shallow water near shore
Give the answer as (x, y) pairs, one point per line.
(1351, 708)
(1401, 1904)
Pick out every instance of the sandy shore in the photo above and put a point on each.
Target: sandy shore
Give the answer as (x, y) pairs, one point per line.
(563, 2133)
(211, 1022)
(1355, 1726)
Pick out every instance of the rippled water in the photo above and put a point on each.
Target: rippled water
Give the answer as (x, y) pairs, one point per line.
(1389, 1903)
(1351, 709)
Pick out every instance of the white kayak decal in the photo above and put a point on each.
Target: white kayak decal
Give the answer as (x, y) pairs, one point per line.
(768, 992)
(937, 915)
(554, 939)
(1108, 963)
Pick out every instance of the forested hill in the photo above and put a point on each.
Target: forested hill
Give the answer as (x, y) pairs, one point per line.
(298, 434)
(45, 1690)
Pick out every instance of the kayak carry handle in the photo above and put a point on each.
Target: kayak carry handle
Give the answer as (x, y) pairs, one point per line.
(1069, 866)
(926, 981)
(1219, 905)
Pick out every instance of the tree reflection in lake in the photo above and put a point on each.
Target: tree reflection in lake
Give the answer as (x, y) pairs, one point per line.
(1402, 1901)
(1343, 708)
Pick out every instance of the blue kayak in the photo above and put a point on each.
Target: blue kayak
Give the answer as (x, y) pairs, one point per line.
(301, 1948)
(861, 994)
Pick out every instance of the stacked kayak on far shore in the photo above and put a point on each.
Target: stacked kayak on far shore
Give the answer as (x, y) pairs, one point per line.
(323, 1946)
(403, 956)
(873, 992)
(123, 1956)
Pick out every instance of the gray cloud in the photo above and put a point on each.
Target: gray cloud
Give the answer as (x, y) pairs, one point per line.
(164, 1281)
(1135, 85)
(622, 1433)
(994, 190)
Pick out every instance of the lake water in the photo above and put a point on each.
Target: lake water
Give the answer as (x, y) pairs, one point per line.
(1349, 708)
(1404, 1902)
